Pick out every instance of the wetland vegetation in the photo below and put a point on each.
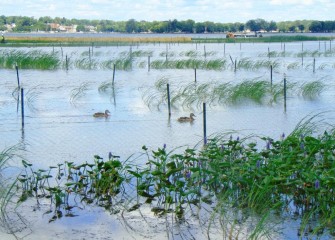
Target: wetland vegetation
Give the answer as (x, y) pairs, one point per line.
(240, 186)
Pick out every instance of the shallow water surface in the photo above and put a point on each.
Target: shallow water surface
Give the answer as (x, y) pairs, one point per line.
(59, 126)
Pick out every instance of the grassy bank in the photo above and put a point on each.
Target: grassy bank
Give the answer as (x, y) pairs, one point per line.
(88, 41)
(102, 41)
(279, 38)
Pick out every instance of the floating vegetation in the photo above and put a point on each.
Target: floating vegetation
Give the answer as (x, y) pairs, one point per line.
(34, 59)
(252, 176)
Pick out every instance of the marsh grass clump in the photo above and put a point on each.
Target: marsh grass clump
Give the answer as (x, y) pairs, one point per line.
(78, 92)
(250, 64)
(192, 95)
(7, 187)
(86, 63)
(34, 59)
(255, 91)
(212, 64)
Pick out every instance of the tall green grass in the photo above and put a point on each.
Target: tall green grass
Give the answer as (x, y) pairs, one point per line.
(33, 59)
(212, 64)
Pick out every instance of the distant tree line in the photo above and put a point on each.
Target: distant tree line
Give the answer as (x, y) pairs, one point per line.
(28, 24)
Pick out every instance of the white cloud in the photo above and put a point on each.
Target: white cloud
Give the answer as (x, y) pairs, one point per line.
(198, 10)
(292, 2)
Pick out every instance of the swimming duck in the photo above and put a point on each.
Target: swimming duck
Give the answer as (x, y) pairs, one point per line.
(187, 119)
(101, 114)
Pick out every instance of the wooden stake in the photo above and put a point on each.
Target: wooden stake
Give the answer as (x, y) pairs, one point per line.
(113, 73)
(271, 69)
(17, 76)
(148, 63)
(195, 75)
(168, 96)
(22, 107)
(285, 92)
(204, 123)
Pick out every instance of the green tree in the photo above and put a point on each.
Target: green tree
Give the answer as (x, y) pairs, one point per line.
(301, 27)
(256, 25)
(316, 26)
(81, 28)
(131, 26)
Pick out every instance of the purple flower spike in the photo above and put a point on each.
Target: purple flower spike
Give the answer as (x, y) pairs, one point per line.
(302, 146)
(317, 184)
(238, 138)
(188, 174)
(268, 144)
(110, 155)
(164, 146)
(282, 136)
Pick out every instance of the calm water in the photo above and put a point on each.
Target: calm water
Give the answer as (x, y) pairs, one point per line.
(59, 128)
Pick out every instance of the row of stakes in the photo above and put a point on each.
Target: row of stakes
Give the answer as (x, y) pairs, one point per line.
(168, 96)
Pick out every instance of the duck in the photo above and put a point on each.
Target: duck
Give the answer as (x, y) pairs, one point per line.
(187, 119)
(102, 114)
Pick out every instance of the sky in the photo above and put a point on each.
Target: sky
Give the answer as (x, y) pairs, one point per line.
(223, 11)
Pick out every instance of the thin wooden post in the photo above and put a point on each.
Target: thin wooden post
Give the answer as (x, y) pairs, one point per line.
(284, 49)
(271, 69)
(330, 45)
(269, 52)
(235, 65)
(285, 93)
(302, 58)
(195, 75)
(314, 65)
(114, 73)
(22, 107)
(169, 99)
(17, 76)
(92, 48)
(89, 53)
(148, 63)
(66, 62)
(204, 123)
(205, 51)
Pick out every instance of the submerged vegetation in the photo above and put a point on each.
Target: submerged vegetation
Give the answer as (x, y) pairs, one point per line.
(253, 176)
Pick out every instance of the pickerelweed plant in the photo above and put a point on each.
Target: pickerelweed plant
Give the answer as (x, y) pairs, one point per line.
(289, 177)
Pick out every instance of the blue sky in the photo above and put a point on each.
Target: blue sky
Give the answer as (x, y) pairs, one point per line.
(224, 11)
